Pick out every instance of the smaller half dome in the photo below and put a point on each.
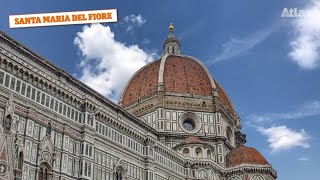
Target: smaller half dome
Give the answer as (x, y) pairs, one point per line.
(245, 155)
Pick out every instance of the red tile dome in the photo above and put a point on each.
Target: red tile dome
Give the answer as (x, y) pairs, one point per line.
(245, 155)
(178, 74)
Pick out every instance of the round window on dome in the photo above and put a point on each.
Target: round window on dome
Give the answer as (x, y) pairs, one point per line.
(190, 122)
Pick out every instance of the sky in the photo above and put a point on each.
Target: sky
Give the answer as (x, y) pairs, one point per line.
(268, 64)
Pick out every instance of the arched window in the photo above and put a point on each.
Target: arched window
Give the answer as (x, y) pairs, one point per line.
(20, 161)
(209, 154)
(119, 174)
(43, 173)
(198, 152)
(186, 151)
(48, 132)
(172, 49)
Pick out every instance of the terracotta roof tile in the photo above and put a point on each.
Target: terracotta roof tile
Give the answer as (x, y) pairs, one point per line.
(245, 155)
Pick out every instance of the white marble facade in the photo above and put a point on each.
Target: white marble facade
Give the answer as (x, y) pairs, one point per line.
(54, 127)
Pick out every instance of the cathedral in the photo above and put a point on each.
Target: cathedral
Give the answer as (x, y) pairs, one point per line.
(174, 121)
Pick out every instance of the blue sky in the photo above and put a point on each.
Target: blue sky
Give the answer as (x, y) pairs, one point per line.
(269, 65)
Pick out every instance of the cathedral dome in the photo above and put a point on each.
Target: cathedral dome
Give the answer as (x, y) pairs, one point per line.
(245, 155)
(178, 74)
(170, 79)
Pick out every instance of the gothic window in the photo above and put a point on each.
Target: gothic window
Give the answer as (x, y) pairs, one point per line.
(44, 173)
(41, 174)
(119, 174)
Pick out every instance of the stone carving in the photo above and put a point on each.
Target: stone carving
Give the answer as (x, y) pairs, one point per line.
(7, 123)
(8, 114)
(10, 107)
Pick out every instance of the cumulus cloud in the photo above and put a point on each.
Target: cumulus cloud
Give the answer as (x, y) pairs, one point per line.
(239, 46)
(107, 64)
(280, 137)
(306, 45)
(134, 21)
(284, 138)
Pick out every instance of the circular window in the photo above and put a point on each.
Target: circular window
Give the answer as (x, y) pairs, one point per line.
(190, 122)
(185, 151)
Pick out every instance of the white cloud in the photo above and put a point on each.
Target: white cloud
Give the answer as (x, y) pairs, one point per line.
(306, 45)
(235, 47)
(308, 109)
(107, 64)
(134, 21)
(303, 159)
(284, 138)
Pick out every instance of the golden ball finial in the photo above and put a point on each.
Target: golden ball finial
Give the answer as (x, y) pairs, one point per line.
(171, 28)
